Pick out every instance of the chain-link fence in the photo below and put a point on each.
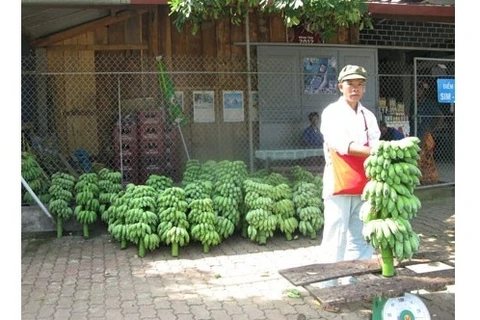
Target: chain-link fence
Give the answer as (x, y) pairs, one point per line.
(86, 111)
(409, 100)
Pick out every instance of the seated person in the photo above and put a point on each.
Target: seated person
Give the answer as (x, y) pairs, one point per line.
(312, 138)
(389, 133)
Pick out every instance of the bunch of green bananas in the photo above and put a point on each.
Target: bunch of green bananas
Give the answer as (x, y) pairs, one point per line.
(394, 234)
(390, 202)
(260, 220)
(301, 175)
(88, 204)
(284, 209)
(261, 225)
(110, 185)
(159, 182)
(198, 190)
(61, 197)
(172, 210)
(133, 218)
(192, 171)
(227, 195)
(202, 221)
(309, 208)
(35, 177)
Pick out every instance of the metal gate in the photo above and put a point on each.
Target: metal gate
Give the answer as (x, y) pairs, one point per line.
(433, 117)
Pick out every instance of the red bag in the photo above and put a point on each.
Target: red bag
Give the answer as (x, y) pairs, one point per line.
(349, 173)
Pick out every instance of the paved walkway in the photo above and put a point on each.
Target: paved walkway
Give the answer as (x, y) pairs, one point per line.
(73, 278)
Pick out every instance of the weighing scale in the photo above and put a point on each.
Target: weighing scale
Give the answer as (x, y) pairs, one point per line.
(408, 307)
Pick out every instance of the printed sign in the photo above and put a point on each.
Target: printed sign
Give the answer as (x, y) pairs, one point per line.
(446, 90)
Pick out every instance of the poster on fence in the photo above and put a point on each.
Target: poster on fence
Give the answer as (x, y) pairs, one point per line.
(320, 75)
(233, 109)
(203, 106)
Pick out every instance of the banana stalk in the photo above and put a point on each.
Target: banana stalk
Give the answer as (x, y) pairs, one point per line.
(86, 231)
(141, 248)
(388, 269)
(59, 227)
(174, 250)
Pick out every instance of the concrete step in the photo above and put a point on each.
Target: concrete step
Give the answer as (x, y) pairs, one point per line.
(433, 192)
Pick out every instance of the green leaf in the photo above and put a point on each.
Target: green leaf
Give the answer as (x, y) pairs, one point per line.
(293, 293)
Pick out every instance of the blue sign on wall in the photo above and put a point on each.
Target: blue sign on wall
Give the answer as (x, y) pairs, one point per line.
(446, 90)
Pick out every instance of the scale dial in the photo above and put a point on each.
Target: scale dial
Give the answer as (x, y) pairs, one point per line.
(408, 307)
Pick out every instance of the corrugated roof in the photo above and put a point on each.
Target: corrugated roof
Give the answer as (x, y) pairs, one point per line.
(38, 21)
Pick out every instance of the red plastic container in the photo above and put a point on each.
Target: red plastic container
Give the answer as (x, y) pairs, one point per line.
(150, 131)
(150, 116)
(151, 147)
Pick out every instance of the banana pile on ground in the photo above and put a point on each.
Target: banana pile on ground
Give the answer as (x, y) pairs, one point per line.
(390, 201)
(87, 202)
(61, 198)
(227, 196)
(172, 211)
(34, 175)
(202, 220)
(110, 185)
(259, 205)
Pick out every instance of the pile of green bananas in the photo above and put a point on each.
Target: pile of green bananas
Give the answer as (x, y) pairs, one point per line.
(390, 201)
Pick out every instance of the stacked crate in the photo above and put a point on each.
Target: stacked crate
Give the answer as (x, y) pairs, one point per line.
(126, 151)
(151, 143)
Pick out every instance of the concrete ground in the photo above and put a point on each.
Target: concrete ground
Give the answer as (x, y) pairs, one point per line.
(76, 278)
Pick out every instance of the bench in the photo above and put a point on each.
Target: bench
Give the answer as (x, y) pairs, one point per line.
(312, 159)
(372, 284)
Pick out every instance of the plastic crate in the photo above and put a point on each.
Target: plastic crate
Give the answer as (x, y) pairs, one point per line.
(150, 131)
(127, 147)
(150, 116)
(126, 132)
(127, 162)
(153, 147)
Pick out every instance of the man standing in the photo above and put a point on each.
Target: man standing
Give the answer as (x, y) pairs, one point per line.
(348, 128)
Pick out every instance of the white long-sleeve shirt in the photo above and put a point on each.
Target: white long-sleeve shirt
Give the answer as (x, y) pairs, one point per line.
(340, 125)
